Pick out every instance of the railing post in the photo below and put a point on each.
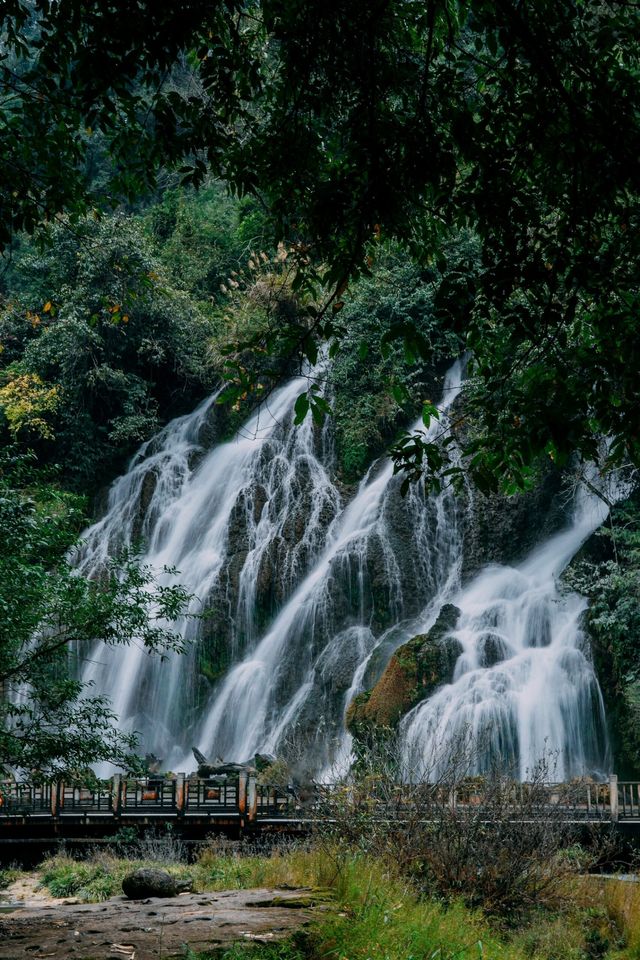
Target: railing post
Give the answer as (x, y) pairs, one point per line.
(453, 799)
(613, 797)
(252, 798)
(55, 799)
(116, 794)
(181, 794)
(242, 796)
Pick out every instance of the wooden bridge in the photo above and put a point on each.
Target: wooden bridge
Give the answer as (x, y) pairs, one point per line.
(242, 803)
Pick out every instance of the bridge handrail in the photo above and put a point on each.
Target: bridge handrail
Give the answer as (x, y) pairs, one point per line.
(242, 796)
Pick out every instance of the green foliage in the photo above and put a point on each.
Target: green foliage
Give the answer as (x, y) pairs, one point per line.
(8, 876)
(100, 345)
(377, 381)
(28, 404)
(202, 237)
(48, 722)
(122, 840)
(96, 878)
(244, 951)
(353, 123)
(373, 913)
(86, 881)
(96, 103)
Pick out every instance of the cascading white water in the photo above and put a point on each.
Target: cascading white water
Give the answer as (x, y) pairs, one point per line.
(190, 514)
(298, 590)
(305, 599)
(524, 688)
(306, 646)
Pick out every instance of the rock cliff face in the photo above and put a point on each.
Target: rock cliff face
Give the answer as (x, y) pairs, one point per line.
(414, 672)
(501, 529)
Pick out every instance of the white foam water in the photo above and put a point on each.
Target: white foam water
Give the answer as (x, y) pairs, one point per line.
(524, 687)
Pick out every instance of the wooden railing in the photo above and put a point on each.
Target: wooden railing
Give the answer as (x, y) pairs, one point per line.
(243, 799)
(239, 797)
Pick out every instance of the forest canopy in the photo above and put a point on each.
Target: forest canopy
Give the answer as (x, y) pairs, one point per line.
(358, 124)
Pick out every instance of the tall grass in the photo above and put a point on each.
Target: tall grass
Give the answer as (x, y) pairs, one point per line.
(621, 901)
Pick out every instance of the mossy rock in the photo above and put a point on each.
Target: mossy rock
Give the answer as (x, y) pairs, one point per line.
(415, 671)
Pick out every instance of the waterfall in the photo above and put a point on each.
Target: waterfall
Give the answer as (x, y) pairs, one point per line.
(298, 589)
(304, 590)
(191, 508)
(311, 641)
(524, 688)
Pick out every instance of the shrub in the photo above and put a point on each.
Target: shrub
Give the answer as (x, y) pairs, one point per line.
(498, 844)
(8, 875)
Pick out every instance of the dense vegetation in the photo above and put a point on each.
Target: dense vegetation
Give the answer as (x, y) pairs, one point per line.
(407, 182)
(114, 325)
(356, 124)
(49, 618)
(108, 328)
(111, 326)
(389, 185)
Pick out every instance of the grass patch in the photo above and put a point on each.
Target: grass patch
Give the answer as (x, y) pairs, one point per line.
(244, 951)
(618, 902)
(96, 878)
(222, 868)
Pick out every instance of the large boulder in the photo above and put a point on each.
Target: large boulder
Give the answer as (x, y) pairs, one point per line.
(413, 673)
(150, 882)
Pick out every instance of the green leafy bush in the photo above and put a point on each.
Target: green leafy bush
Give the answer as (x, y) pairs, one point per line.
(48, 723)
(8, 876)
(98, 326)
(201, 237)
(379, 379)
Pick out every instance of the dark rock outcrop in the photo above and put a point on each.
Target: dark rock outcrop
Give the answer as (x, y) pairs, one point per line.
(503, 529)
(492, 650)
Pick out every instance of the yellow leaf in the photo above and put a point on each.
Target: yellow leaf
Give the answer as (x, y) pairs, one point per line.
(47, 307)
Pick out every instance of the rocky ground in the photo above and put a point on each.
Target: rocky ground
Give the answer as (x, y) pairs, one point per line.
(121, 929)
